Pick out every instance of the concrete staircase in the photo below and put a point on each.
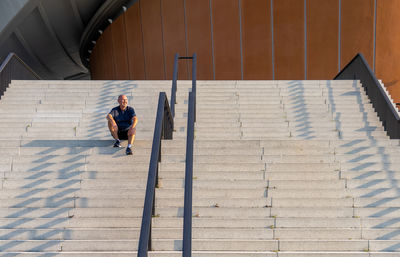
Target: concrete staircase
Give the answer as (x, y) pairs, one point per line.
(282, 168)
(64, 189)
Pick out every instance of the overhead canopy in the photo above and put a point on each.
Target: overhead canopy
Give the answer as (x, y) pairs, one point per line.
(46, 34)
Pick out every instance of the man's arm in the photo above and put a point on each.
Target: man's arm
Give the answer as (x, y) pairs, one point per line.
(110, 118)
(134, 121)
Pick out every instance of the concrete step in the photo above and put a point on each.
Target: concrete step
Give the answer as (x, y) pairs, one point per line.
(283, 246)
(66, 212)
(323, 212)
(61, 223)
(299, 184)
(65, 234)
(312, 202)
(80, 174)
(306, 195)
(72, 202)
(214, 167)
(219, 175)
(76, 183)
(54, 193)
(296, 167)
(331, 193)
(377, 174)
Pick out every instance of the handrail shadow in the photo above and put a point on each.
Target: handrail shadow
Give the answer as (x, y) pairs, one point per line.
(163, 129)
(383, 197)
(32, 192)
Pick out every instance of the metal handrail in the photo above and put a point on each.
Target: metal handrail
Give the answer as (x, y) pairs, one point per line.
(188, 200)
(9, 70)
(188, 205)
(163, 129)
(175, 77)
(358, 69)
(149, 208)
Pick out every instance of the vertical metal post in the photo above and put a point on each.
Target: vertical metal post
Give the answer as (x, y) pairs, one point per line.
(149, 243)
(174, 86)
(187, 219)
(194, 79)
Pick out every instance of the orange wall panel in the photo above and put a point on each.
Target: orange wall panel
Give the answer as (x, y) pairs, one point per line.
(108, 54)
(152, 38)
(357, 30)
(101, 66)
(322, 38)
(256, 39)
(226, 31)
(388, 46)
(104, 56)
(142, 42)
(173, 14)
(289, 39)
(136, 61)
(120, 49)
(199, 36)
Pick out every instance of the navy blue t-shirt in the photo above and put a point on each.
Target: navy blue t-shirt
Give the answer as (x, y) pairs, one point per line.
(123, 118)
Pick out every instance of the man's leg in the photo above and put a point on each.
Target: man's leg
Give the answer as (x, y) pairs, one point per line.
(131, 135)
(114, 132)
(131, 138)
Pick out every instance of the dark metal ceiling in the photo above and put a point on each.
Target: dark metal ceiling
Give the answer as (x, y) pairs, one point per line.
(46, 34)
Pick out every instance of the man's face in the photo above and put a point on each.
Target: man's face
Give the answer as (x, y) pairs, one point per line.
(123, 101)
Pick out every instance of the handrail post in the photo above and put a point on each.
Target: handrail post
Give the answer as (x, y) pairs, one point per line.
(174, 86)
(194, 79)
(187, 218)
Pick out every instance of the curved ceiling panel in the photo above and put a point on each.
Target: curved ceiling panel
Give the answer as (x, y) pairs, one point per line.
(46, 34)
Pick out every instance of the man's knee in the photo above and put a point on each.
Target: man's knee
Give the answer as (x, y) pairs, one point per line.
(132, 132)
(112, 128)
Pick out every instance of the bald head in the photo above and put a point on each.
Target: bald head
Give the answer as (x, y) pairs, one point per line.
(123, 101)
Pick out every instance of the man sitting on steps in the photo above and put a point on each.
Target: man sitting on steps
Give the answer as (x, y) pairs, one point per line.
(122, 123)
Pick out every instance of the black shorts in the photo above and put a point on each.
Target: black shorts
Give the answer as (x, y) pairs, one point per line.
(123, 134)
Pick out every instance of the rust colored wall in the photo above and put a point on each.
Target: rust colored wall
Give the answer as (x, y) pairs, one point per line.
(173, 14)
(153, 39)
(95, 61)
(322, 38)
(134, 35)
(289, 39)
(105, 48)
(256, 39)
(120, 50)
(357, 30)
(231, 35)
(226, 31)
(199, 36)
(388, 46)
